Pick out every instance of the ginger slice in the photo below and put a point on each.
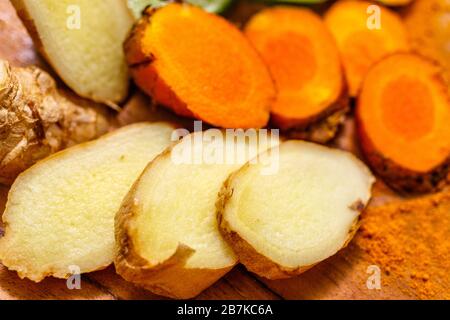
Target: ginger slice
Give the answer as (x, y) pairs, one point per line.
(304, 61)
(280, 225)
(38, 119)
(361, 40)
(59, 217)
(199, 65)
(82, 40)
(166, 231)
(403, 118)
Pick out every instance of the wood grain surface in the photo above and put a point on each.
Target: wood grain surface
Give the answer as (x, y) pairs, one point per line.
(342, 276)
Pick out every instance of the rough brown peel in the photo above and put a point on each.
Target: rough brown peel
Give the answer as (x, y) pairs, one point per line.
(37, 119)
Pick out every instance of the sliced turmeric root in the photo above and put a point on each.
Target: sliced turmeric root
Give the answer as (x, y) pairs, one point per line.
(403, 118)
(365, 34)
(303, 59)
(200, 66)
(429, 31)
(395, 2)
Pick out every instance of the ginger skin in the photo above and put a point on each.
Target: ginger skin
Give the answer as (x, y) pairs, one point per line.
(37, 119)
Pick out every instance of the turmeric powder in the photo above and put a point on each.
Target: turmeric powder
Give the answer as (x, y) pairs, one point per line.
(410, 242)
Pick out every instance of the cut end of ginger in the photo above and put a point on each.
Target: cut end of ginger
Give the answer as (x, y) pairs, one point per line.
(304, 61)
(403, 117)
(82, 40)
(60, 212)
(365, 33)
(166, 230)
(200, 65)
(280, 225)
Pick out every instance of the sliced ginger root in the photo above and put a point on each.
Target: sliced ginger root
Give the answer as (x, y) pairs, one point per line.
(361, 46)
(82, 40)
(403, 118)
(166, 231)
(37, 119)
(60, 212)
(304, 61)
(280, 225)
(201, 66)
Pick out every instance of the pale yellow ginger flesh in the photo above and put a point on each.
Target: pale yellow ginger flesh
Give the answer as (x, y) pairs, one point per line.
(172, 210)
(281, 224)
(82, 40)
(60, 212)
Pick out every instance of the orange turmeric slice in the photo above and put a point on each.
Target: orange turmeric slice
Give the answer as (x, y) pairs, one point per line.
(365, 33)
(303, 59)
(200, 66)
(395, 2)
(428, 25)
(403, 118)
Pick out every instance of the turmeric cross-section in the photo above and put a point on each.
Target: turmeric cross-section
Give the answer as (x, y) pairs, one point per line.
(200, 66)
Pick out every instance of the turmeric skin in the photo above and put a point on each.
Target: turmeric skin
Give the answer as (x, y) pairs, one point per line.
(410, 242)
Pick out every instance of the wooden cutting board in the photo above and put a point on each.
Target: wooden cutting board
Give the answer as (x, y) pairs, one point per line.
(342, 276)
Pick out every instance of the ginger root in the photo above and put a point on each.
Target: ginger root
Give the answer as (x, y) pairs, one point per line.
(37, 119)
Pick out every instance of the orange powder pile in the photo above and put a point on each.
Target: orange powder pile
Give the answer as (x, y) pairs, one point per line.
(410, 242)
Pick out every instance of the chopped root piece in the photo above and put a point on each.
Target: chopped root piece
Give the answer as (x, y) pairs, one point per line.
(304, 61)
(364, 36)
(166, 231)
(138, 6)
(396, 2)
(37, 119)
(322, 131)
(60, 212)
(428, 25)
(82, 40)
(201, 66)
(280, 225)
(403, 118)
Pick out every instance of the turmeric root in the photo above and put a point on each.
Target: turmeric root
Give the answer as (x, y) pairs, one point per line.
(403, 118)
(200, 66)
(395, 2)
(365, 34)
(304, 61)
(37, 120)
(429, 31)
(138, 6)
